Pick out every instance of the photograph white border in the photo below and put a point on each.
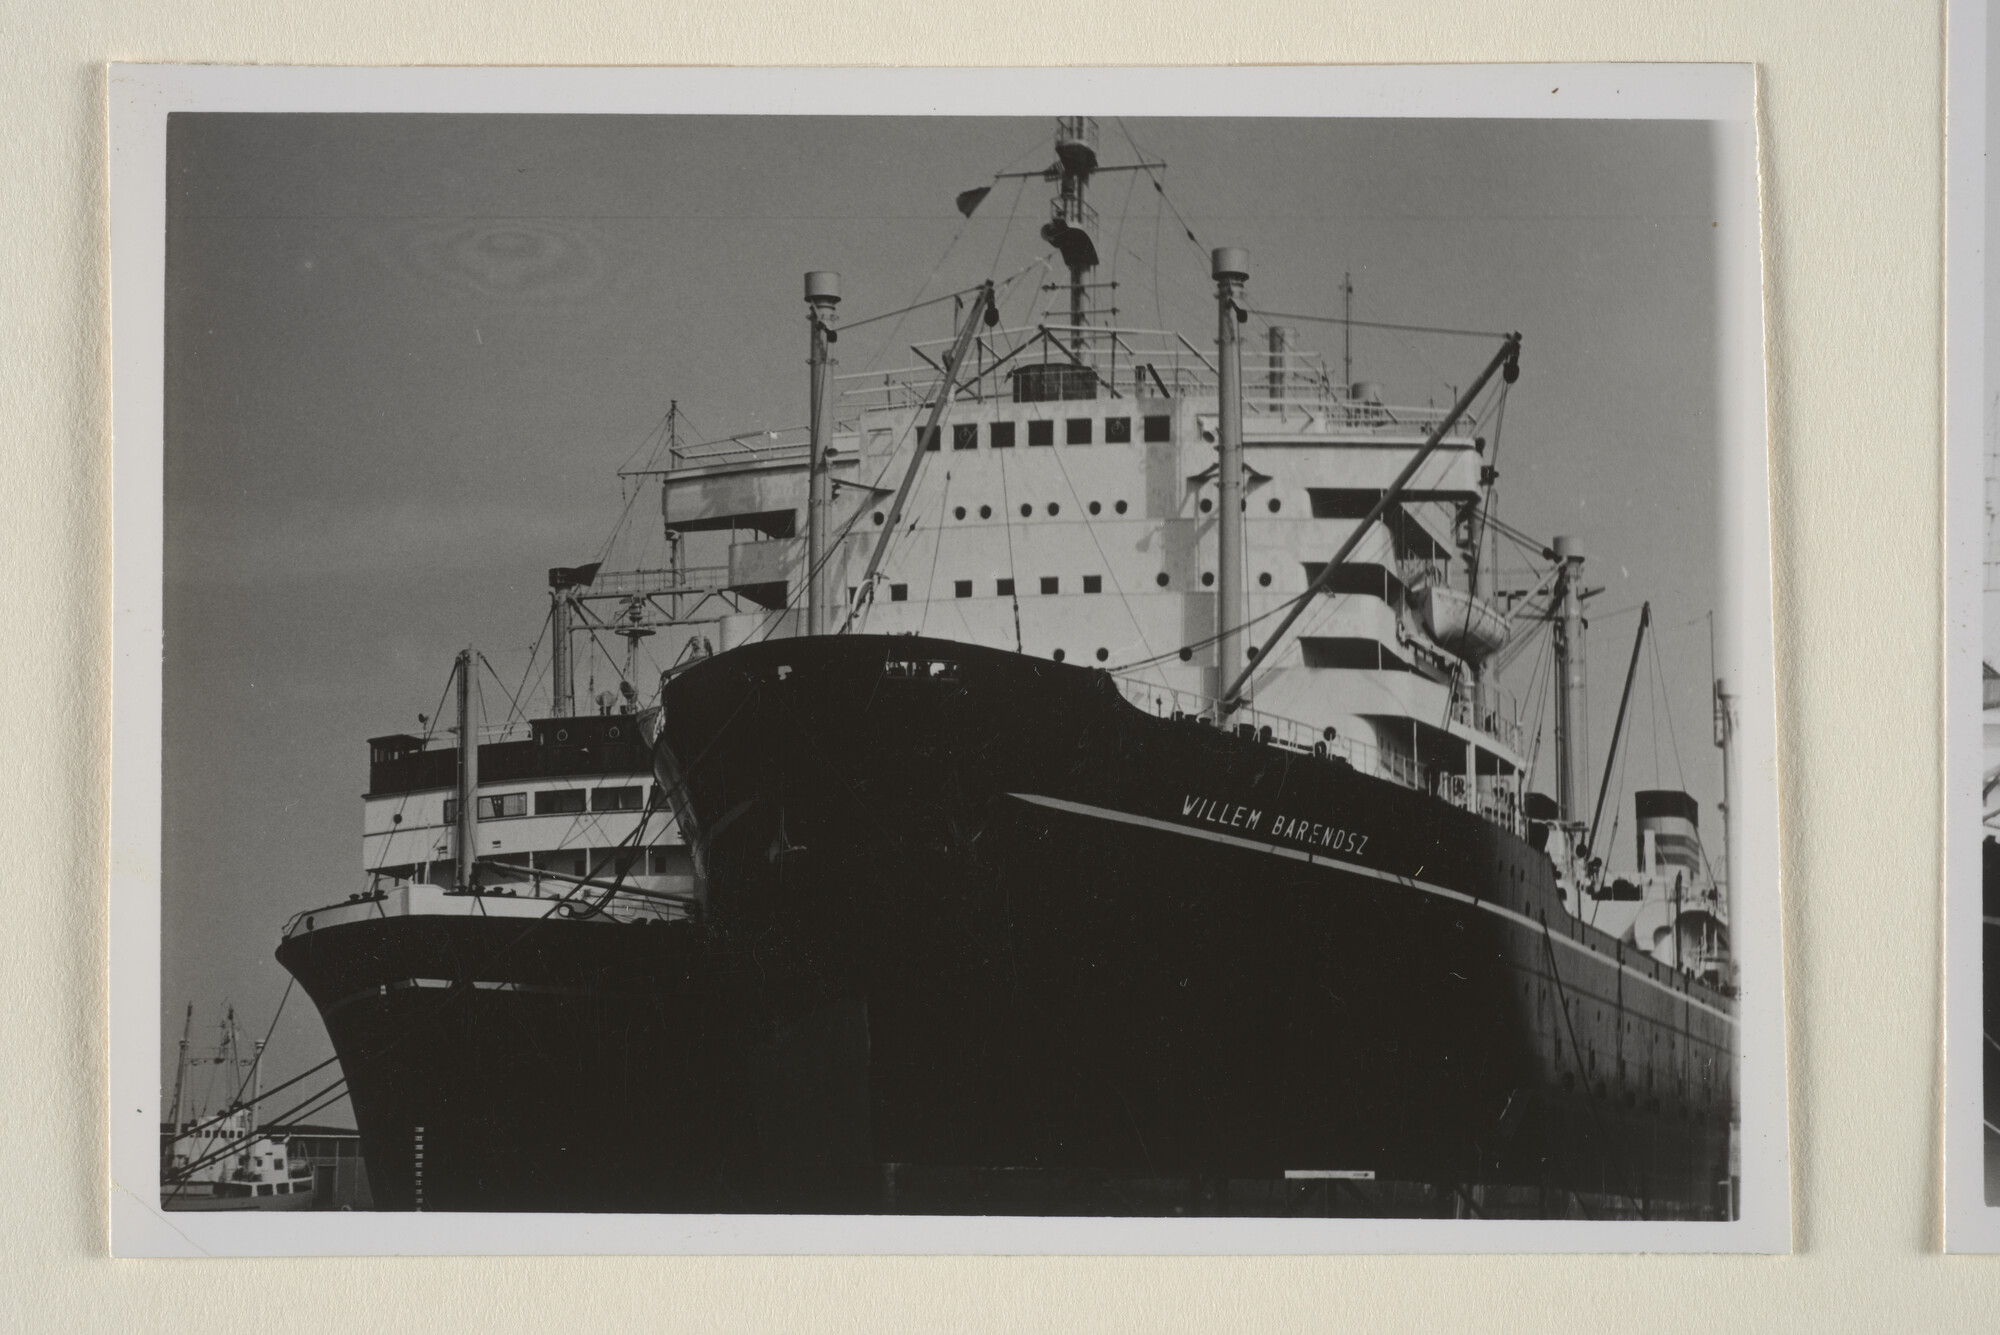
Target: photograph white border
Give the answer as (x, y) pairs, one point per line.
(141, 98)
(1971, 1225)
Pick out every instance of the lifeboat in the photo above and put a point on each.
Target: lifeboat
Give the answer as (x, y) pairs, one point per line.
(1469, 627)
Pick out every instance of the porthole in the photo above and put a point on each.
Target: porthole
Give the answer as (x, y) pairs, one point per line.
(562, 734)
(1264, 580)
(1187, 655)
(1274, 505)
(1206, 505)
(1095, 508)
(1058, 655)
(1252, 651)
(1054, 509)
(1026, 509)
(1207, 578)
(1103, 654)
(878, 519)
(614, 734)
(1119, 507)
(1161, 579)
(985, 512)
(958, 513)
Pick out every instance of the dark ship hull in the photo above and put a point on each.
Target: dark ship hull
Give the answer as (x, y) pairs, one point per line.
(969, 912)
(1090, 940)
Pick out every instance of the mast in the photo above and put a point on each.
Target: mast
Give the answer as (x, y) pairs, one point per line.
(822, 295)
(1069, 229)
(564, 581)
(1618, 728)
(256, 1081)
(1347, 334)
(181, 1067)
(561, 669)
(1572, 777)
(1231, 268)
(1725, 739)
(468, 775)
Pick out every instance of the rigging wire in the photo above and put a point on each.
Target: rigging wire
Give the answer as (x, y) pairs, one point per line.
(852, 325)
(513, 702)
(1492, 464)
(937, 544)
(1160, 189)
(1378, 324)
(1109, 568)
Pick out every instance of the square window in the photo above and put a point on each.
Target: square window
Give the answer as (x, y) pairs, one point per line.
(1159, 428)
(1093, 584)
(1117, 431)
(961, 588)
(616, 799)
(560, 802)
(1050, 584)
(498, 806)
(899, 593)
(1003, 435)
(931, 436)
(1004, 587)
(1041, 433)
(1078, 432)
(965, 436)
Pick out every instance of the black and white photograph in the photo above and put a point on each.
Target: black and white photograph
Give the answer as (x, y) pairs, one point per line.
(765, 661)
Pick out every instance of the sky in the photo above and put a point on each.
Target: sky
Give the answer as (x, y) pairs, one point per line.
(406, 357)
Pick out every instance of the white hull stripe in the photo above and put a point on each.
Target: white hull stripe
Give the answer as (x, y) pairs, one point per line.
(1318, 859)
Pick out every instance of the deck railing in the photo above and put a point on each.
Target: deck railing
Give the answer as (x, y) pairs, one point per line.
(1136, 363)
(1289, 734)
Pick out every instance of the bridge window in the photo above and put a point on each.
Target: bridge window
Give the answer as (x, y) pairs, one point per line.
(1093, 584)
(1041, 433)
(899, 593)
(1117, 431)
(1342, 651)
(961, 588)
(1077, 431)
(559, 802)
(1159, 428)
(617, 799)
(1003, 436)
(931, 436)
(495, 806)
(1051, 584)
(1004, 588)
(965, 436)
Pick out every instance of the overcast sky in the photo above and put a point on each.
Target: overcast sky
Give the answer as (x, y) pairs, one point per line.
(407, 355)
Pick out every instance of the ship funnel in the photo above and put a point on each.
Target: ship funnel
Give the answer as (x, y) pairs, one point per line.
(1672, 820)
